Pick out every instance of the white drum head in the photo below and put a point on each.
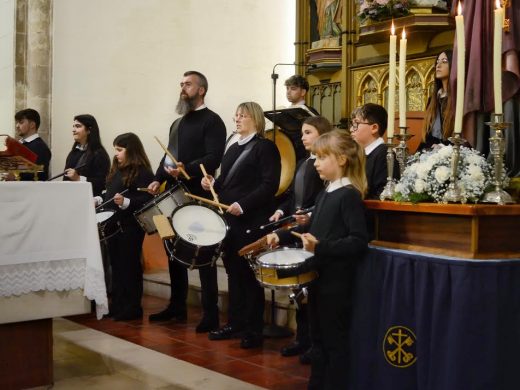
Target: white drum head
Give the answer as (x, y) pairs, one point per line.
(102, 216)
(283, 257)
(199, 225)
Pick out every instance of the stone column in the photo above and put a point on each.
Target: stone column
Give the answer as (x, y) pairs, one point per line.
(33, 60)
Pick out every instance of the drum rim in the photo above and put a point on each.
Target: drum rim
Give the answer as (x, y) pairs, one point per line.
(195, 203)
(159, 198)
(281, 266)
(103, 210)
(286, 286)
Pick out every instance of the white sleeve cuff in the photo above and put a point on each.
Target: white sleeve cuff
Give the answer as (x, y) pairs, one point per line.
(126, 203)
(82, 178)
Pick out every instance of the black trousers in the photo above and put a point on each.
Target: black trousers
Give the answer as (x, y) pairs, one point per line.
(246, 296)
(302, 325)
(125, 250)
(179, 288)
(330, 364)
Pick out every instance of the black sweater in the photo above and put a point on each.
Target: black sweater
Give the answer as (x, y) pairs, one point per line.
(95, 170)
(201, 140)
(338, 223)
(137, 198)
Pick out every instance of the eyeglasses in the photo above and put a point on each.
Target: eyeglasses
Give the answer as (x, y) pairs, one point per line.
(240, 116)
(441, 61)
(354, 125)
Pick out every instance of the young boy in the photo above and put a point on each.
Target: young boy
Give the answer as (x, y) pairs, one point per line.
(296, 89)
(27, 124)
(367, 128)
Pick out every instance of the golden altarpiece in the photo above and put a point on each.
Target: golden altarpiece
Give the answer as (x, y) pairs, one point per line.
(349, 64)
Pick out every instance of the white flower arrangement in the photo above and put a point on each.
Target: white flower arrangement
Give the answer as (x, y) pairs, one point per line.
(378, 10)
(427, 175)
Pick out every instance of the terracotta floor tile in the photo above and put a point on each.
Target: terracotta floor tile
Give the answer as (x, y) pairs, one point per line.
(269, 378)
(176, 350)
(261, 366)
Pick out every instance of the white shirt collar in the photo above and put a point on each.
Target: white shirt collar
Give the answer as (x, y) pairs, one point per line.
(300, 103)
(201, 107)
(82, 147)
(370, 148)
(245, 140)
(312, 157)
(30, 138)
(342, 182)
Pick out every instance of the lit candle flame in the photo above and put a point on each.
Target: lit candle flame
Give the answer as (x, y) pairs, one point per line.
(392, 29)
(459, 8)
(404, 34)
(498, 4)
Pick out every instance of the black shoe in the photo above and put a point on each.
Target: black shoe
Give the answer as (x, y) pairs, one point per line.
(129, 315)
(251, 340)
(207, 325)
(225, 333)
(169, 314)
(306, 357)
(294, 348)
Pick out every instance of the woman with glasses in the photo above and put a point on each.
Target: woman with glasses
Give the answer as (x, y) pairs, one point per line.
(439, 118)
(249, 179)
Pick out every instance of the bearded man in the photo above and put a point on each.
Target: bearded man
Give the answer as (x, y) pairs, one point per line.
(197, 137)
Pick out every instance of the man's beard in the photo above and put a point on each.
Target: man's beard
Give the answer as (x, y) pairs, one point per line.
(185, 105)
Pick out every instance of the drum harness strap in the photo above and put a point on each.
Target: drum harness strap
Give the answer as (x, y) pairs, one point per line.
(236, 164)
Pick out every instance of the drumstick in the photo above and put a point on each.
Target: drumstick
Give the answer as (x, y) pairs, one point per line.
(211, 202)
(142, 189)
(111, 199)
(173, 159)
(215, 197)
(296, 234)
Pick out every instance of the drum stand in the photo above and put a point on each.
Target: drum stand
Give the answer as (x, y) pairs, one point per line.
(272, 330)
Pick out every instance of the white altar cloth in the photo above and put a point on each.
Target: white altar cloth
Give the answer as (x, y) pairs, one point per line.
(49, 240)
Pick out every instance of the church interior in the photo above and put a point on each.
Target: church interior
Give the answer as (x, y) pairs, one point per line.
(433, 303)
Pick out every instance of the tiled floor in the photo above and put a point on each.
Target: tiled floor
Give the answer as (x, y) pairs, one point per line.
(263, 367)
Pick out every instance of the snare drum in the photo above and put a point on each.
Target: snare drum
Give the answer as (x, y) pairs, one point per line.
(108, 225)
(164, 204)
(199, 232)
(266, 264)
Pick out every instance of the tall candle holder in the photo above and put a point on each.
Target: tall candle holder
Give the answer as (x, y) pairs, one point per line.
(496, 145)
(454, 193)
(389, 190)
(401, 150)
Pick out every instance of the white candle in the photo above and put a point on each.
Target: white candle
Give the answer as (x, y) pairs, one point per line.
(497, 57)
(461, 64)
(391, 83)
(402, 80)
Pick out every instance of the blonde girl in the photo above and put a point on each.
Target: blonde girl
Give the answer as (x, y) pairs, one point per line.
(337, 236)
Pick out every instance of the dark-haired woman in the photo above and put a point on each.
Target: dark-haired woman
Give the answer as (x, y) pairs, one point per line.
(88, 160)
(130, 170)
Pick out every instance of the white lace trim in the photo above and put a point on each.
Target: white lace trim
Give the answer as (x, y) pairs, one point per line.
(59, 275)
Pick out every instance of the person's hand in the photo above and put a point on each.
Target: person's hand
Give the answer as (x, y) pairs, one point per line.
(272, 240)
(153, 187)
(175, 172)
(309, 242)
(118, 199)
(302, 219)
(275, 217)
(206, 182)
(234, 209)
(72, 174)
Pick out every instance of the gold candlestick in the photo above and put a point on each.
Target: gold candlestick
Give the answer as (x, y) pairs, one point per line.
(454, 193)
(496, 144)
(389, 190)
(401, 150)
